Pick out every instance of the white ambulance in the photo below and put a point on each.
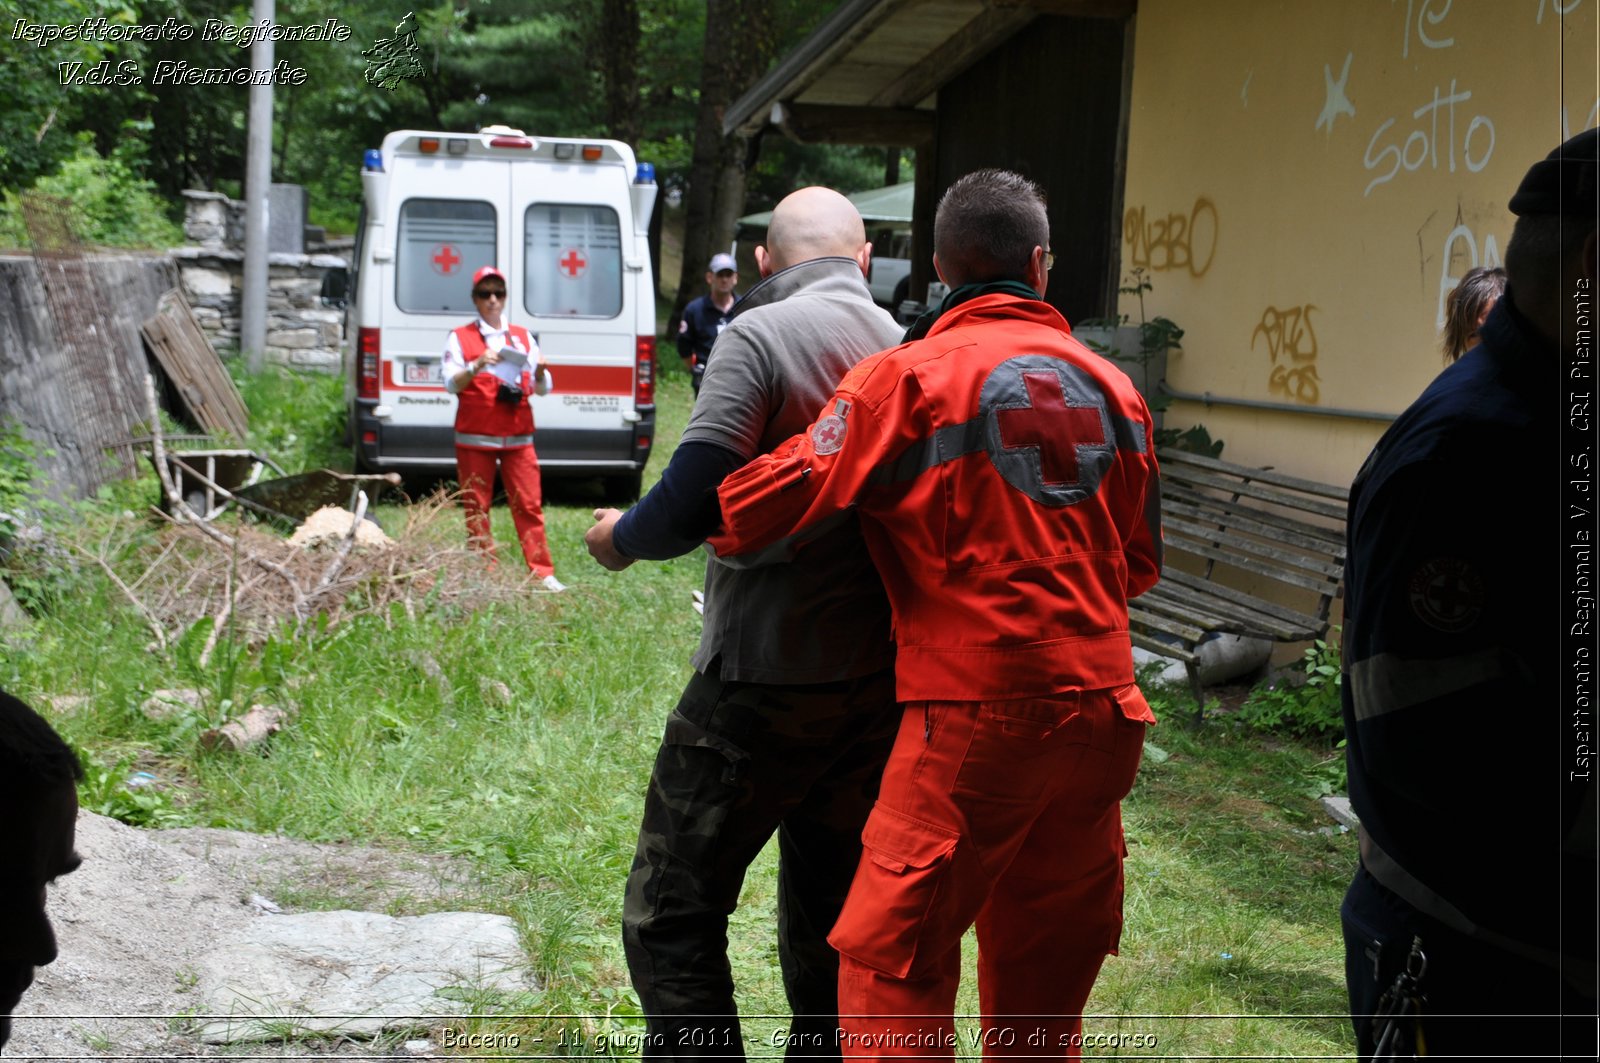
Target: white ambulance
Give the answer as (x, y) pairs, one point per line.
(566, 220)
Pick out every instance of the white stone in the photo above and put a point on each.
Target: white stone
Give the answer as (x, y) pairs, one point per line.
(205, 283)
(300, 337)
(354, 973)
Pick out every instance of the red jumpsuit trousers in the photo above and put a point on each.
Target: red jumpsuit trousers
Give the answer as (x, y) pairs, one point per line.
(1006, 814)
(519, 470)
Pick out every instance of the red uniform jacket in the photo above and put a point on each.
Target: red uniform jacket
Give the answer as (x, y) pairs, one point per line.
(478, 412)
(1008, 492)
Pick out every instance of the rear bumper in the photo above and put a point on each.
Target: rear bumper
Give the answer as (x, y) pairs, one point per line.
(386, 447)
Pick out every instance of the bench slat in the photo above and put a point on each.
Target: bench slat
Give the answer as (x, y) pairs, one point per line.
(1167, 455)
(1316, 621)
(1165, 649)
(1264, 493)
(1254, 554)
(1218, 614)
(1149, 621)
(1237, 521)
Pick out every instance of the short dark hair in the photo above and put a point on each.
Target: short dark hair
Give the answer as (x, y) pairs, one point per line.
(987, 226)
(32, 756)
(1478, 288)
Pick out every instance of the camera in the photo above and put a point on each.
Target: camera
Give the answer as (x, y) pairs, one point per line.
(509, 394)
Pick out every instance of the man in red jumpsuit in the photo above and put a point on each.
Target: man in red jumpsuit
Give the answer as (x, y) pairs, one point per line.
(1007, 489)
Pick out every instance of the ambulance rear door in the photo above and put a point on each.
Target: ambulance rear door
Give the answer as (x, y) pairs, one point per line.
(577, 286)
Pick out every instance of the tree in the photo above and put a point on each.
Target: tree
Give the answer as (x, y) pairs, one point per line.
(619, 67)
(739, 45)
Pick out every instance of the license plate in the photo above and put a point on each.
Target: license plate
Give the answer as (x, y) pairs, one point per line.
(421, 373)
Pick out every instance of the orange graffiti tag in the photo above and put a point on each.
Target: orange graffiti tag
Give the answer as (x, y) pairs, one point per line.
(1176, 241)
(1288, 332)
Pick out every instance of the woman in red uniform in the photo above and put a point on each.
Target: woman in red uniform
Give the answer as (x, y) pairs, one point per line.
(491, 367)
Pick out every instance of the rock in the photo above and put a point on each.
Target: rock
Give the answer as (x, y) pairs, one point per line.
(353, 973)
(1339, 808)
(12, 615)
(165, 704)
(330, 524)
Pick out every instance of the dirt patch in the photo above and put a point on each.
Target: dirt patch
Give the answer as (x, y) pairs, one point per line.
(134, 919)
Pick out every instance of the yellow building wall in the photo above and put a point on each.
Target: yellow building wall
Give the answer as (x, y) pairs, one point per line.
(1307, 179)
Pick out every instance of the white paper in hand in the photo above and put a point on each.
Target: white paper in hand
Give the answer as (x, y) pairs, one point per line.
(510, 366)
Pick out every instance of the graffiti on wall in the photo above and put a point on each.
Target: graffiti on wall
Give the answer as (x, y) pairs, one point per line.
(1440, 132)
(1463, 250)
(1292, 347)
(1172, 241)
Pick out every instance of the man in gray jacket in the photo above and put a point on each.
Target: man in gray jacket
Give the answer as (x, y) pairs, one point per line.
(790, 713)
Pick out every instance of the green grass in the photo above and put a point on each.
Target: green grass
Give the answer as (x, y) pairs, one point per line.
(1232, 892)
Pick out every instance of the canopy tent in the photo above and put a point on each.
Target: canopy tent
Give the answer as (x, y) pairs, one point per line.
(878, 206)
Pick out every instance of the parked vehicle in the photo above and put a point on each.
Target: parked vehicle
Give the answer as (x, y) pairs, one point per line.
(566, 219)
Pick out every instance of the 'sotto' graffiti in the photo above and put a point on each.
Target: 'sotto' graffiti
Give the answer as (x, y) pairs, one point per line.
(1174, 241)
(1290, 336)
(1424, 145)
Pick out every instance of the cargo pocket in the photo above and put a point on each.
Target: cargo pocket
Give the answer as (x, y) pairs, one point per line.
(905, 863)
(1130, 699)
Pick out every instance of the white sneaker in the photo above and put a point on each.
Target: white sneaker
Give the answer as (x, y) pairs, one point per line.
(550, 583)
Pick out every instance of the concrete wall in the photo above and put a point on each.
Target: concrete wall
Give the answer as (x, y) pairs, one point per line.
(1306, 180)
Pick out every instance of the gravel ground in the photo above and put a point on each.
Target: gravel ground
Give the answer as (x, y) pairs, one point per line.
(145, 905)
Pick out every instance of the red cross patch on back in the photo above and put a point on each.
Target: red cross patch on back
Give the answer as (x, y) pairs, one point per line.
(1047, 428)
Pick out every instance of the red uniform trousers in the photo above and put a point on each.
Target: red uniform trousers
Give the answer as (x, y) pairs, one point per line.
(1003, 813)
(519, 471)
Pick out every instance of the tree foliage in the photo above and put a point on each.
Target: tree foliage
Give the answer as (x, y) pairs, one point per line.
(656, 73)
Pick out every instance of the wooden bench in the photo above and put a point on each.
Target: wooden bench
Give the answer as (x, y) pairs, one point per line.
(1232, 526)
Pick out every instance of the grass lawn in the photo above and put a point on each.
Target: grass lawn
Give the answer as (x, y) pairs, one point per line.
(1231, 944)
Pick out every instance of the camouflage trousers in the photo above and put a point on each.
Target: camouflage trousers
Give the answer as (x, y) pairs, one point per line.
(739, 761)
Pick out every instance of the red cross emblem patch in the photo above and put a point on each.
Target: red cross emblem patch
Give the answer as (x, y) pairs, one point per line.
(1047, 428)
(827, 435)
(1446, 593)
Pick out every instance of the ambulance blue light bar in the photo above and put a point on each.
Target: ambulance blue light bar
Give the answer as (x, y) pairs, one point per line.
(372, 160)
(645, 174)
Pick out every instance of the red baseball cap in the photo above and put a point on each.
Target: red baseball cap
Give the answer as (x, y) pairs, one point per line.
(487, 271)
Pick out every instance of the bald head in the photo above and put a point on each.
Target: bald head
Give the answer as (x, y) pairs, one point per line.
(814, 222)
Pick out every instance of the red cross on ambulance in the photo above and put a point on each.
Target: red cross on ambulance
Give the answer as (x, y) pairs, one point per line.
(572, 263)
(445, 259)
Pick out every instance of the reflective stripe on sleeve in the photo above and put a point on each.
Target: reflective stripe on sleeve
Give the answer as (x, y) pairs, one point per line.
(1388, 682)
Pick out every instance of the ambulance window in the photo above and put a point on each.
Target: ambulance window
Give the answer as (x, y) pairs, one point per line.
(572, 261)
(442, 243)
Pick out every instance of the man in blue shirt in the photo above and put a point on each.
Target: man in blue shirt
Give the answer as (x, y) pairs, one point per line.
(705, 318)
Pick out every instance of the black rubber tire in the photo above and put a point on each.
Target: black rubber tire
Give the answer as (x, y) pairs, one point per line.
(625, 489)
(901, 290)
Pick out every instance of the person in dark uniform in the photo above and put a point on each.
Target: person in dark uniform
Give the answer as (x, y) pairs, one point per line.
(1452, 677)
(704, 318)
(38, 818)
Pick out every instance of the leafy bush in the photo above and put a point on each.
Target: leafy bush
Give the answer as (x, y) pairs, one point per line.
(111, 204)
(1308, 709)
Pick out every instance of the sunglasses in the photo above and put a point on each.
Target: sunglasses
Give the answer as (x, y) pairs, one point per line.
(488, 293)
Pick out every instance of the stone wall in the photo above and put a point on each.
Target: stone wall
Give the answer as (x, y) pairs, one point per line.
(301, 332)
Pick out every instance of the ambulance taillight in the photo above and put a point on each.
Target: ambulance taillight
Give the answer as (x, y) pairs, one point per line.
(644, 371)
(367, 363)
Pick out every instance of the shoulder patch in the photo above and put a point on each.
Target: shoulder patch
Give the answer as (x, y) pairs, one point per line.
(1446, 593)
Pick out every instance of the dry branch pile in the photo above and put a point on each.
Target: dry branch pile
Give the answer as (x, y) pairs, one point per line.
(259, 584)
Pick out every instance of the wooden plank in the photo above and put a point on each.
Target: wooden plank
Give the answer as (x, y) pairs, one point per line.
(1262, 492)
(1310, 583)
(1168, 455)
(1185, 654)
(813, 123)
(1295, 534)
(1268, 557)
(953, 56)
(197, 373)
(1150, 621)
(1218, 614)
(1317, 620)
